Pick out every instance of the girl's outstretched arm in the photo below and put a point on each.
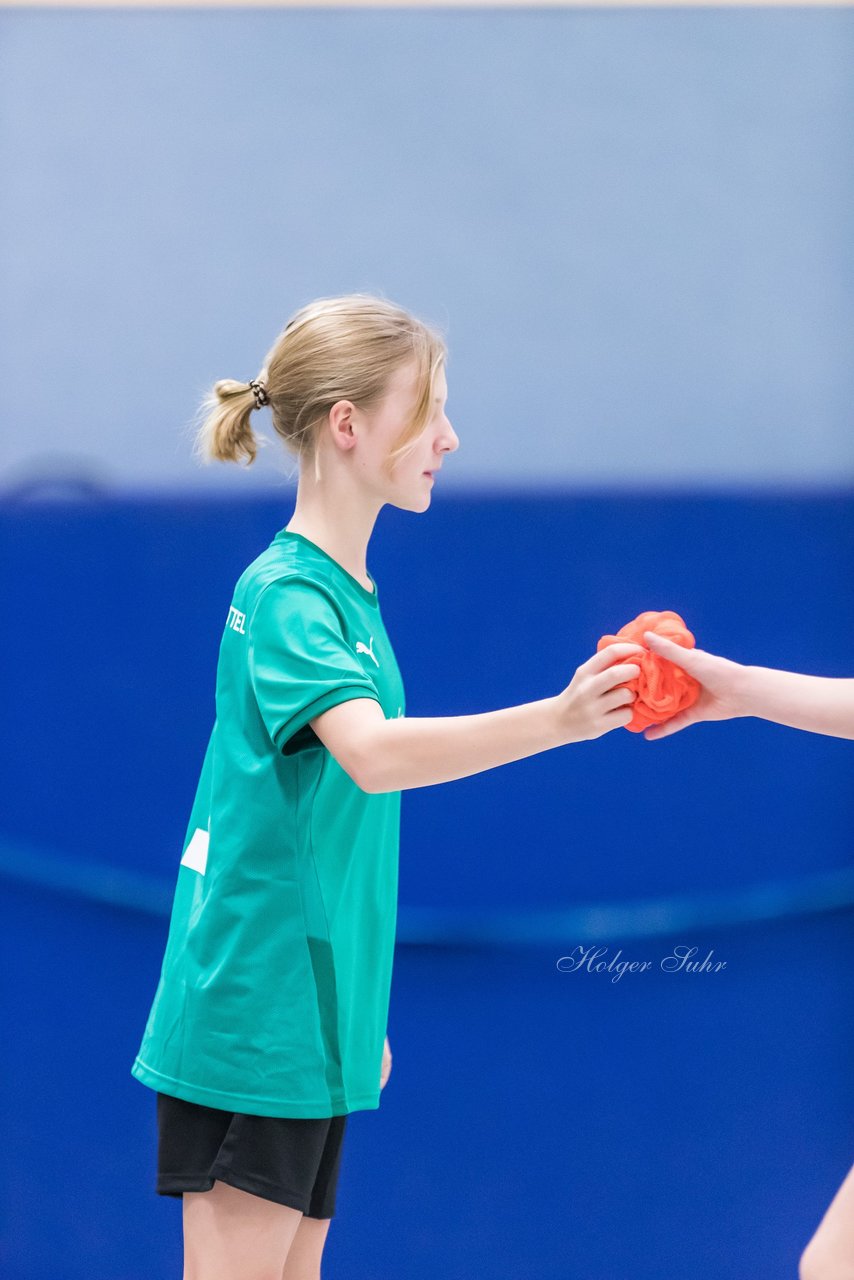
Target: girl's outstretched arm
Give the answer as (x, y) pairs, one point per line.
(393, 755)
(818, 704)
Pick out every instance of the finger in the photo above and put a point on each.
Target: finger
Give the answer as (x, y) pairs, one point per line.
(618, 674)
(653, 735)
(670, 726)
(618, 698)
(618, 718)
(676, 653)
(609, 655)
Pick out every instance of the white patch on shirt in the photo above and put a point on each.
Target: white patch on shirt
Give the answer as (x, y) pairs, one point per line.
(196, 853)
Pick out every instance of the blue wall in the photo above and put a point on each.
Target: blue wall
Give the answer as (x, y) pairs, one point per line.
(536, 1122)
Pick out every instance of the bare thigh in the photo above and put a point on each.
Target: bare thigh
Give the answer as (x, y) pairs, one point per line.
(830, 1253)
(307, 1249)
(233, 1235)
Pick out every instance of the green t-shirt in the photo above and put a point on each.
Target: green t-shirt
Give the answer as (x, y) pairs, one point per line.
(274, 991)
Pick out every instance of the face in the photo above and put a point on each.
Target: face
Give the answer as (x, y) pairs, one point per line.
(408, 487)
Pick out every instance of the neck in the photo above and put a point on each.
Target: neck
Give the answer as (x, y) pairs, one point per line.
(338, 519)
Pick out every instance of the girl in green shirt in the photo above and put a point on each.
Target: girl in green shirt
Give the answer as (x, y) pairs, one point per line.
(268, 1026)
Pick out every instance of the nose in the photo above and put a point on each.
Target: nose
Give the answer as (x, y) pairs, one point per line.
(454, 440)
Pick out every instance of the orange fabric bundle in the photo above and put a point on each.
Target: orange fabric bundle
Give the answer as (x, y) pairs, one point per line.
(662, 688)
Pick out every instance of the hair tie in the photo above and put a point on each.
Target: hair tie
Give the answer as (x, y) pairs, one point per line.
(260, 393)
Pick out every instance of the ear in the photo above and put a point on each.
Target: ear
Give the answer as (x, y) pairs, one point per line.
(341, 424)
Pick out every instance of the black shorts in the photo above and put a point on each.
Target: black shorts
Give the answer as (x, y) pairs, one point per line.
(291, 1161)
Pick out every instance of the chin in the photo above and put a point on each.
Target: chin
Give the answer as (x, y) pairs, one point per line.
(412, 502)
(416, 495)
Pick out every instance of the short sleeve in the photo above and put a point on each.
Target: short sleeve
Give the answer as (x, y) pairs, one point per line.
(300, 664)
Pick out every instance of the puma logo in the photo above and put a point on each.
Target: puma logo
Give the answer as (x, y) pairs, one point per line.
(363, 648)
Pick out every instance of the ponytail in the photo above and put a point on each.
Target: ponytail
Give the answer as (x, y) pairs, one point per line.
(226, 433)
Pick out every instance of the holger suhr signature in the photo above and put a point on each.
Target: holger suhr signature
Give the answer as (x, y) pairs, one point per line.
(679, 960)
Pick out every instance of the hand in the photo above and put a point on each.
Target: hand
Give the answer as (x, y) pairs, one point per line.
(386, 1067)
(594, 703)
(720, 679)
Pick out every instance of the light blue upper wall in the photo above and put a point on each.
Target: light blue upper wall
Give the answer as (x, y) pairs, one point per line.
(636, 227)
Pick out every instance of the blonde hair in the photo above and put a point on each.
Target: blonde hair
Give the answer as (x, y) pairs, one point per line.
(344, 348)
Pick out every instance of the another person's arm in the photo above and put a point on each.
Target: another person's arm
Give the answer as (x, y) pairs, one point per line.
(818, 704)
(394, 755)
(385, 1069)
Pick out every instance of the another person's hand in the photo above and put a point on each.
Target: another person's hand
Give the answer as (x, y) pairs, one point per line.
(720, 679)
(385, 1071)
(592, 703)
